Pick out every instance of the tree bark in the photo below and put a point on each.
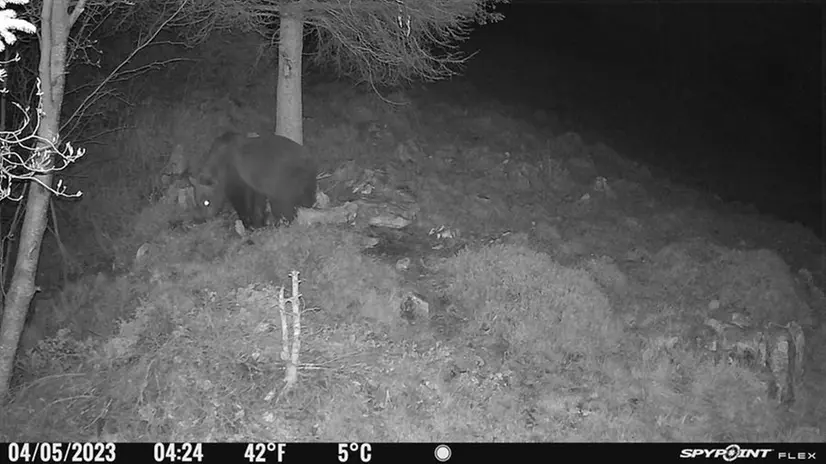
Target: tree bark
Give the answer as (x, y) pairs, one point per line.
(21, 289)
(289, 119)
(56, 21)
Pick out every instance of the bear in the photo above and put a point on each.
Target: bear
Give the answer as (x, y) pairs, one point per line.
(248, 171)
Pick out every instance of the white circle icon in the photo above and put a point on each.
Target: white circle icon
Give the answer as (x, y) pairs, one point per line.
(732, 453)
(442, 453)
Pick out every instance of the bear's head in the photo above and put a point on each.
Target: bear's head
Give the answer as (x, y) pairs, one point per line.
(209, 196)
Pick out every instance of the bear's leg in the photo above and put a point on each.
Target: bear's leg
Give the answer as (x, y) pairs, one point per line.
(307, 197)
(283, 210)
(258, 209)
(254, 209)
(243, 199)
(240, 200)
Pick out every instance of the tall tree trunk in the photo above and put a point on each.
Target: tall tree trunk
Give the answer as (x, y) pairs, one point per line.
(56, 21)
(289, 111)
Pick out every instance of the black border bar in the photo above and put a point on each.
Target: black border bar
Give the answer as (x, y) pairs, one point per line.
(419, 453)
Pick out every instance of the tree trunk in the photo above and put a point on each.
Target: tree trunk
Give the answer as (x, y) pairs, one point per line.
(21, 289)
(289, 111)
(56, 22)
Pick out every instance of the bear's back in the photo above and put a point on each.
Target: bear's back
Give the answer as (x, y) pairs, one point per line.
(272, 145)
(273, 153)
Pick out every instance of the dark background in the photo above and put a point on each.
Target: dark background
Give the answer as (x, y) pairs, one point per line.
(723, 97)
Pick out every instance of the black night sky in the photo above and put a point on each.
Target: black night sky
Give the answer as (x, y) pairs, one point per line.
(726, 98)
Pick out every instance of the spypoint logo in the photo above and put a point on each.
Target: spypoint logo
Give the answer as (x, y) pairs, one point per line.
(729, 453)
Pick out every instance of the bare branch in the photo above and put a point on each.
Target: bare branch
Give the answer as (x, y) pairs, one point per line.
(117, 71)
(42, 156)
(377, 41)
(9, 24)
(94, 138)
(76, 12)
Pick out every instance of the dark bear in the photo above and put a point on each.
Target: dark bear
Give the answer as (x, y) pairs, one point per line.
(248, 170)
